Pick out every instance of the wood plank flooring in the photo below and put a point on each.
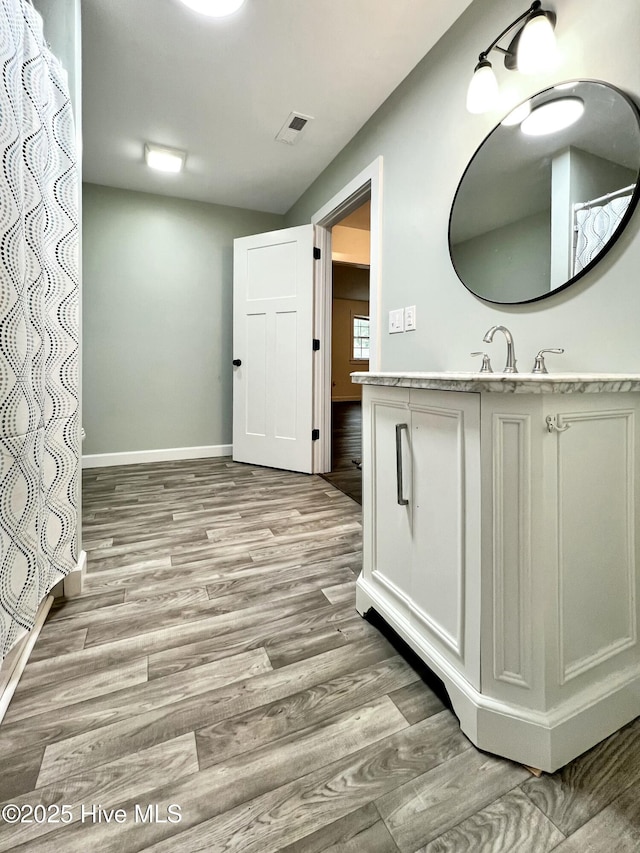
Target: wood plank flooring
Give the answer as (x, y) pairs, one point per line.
(346, 445)
(216, 663)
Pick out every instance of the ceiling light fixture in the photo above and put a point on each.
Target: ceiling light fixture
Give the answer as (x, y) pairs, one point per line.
(214, 8)
(164, 159)
(553, 116)
(532, 49)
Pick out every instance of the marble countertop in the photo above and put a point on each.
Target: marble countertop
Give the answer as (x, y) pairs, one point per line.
(510, 383)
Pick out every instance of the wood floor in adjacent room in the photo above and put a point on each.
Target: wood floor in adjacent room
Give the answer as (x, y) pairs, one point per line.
(346, 448)
(216, 663)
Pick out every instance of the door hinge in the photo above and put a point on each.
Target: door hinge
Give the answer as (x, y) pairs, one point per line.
(315, 434)
(316, 344)
(317, 254)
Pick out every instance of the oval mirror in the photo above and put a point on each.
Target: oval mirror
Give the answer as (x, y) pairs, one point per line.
(547, 193)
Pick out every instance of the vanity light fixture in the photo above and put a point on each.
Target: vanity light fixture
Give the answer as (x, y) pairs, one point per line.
(532, 49)
(536, 47)
(214, 8)
(553, 116)
(164, 159)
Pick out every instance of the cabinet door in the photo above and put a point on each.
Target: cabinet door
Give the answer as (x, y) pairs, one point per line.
(445, 440)
(388, 522)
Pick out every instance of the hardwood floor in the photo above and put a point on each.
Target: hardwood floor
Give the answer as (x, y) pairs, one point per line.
(216, 664)
(346, 446)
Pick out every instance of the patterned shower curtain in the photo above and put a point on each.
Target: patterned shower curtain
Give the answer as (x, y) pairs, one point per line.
(595, 226)
(39, 435)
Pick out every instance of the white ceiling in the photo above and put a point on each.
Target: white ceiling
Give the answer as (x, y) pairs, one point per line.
(155, 71)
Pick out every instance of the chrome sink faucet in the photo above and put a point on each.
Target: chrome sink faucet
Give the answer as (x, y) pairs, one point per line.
(510, 366)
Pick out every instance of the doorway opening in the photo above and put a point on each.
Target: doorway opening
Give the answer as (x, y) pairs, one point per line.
(362, 194)
(350, 343)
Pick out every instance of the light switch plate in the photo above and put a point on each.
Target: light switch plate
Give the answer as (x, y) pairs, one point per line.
(410, 318)
(396, 321)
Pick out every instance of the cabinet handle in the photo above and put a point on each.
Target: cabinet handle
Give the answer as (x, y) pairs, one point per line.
(552, 424)
(402, 501)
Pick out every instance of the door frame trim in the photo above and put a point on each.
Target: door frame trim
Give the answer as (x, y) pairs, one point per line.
(366, 185)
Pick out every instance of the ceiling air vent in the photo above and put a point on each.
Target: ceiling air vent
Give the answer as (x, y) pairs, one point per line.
(293, 127)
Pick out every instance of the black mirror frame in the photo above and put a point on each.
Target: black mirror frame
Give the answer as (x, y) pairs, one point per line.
(609, 245)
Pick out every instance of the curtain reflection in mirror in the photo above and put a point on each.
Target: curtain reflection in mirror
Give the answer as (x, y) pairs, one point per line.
(595, 222)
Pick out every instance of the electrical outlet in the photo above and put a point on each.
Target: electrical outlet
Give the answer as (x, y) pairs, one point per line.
(410, 318)
(396, 321)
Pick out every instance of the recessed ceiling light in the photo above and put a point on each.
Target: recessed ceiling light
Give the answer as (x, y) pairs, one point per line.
(164, 159)
(553, 116)
(214, 8)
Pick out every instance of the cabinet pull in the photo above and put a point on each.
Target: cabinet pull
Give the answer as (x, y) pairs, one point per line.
(402, 501)
(552, 424)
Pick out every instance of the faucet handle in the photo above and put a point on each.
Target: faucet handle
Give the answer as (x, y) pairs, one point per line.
(538, 365)
(486, 364)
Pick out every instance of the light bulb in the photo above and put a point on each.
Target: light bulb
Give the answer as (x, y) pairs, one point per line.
(537, 50)
(482, 94)
(214, 8)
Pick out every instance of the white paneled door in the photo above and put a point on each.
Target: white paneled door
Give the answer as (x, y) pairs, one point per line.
(272, 349)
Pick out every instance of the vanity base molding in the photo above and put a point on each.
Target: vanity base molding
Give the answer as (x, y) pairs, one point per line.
(502, 543)
(543, 740)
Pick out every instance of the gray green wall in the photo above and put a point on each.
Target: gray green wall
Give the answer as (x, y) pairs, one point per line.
(508, 262)
(157, 319)
(426, 138)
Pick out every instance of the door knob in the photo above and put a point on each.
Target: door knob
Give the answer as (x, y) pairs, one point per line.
(236, 362)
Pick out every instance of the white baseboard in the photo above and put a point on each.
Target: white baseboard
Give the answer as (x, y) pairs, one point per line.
(135, 457)
(72, 584)
(13, 665)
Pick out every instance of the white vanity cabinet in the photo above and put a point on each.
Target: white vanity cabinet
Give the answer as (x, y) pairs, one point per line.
(421, 478)
(512, 569)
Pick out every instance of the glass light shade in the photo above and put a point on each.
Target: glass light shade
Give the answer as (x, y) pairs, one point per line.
(553, 116)
(164, 159)
(537, 50)
(482, 94)
(214, 8)
(518, 115)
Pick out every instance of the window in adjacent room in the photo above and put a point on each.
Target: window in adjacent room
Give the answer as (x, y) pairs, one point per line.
(360, 326)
